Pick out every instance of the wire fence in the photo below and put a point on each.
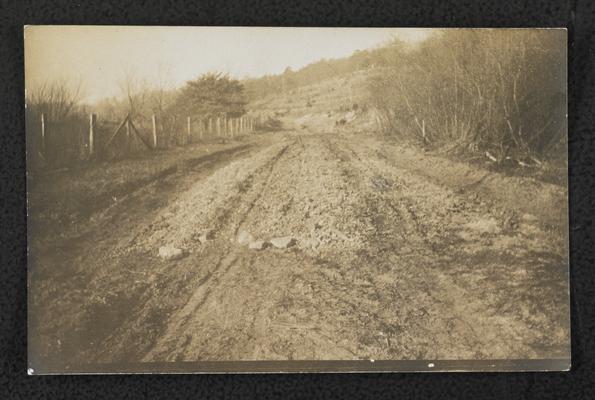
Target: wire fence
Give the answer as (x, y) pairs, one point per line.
(82, 138)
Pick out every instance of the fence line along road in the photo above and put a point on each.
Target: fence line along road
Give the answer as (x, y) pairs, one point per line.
(69, 141)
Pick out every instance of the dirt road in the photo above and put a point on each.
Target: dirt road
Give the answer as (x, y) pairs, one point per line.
(385, 263)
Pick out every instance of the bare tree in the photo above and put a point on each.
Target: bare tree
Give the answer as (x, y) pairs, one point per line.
(501, 92)
(159, 94)
(57, 99)
(134, 90)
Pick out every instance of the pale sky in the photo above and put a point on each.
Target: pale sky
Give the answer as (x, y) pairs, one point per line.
(99, 56)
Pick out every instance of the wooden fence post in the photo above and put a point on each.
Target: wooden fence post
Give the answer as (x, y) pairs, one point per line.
(43, 134)
(189, 136)
(92, 119)
(218, 132)
(128, 133)
(154, 125)
(210, 132)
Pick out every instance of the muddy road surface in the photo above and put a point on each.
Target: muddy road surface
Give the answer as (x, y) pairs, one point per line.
(378, 260)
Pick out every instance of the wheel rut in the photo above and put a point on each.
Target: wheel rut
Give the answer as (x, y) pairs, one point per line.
(173, 343)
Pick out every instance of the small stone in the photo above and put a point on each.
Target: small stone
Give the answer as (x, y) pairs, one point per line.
(245, 238)
(487, 225)
(257, 245)
(171, 253)
(529, 218)
(283, 242)
(465, 235)
(203, 237)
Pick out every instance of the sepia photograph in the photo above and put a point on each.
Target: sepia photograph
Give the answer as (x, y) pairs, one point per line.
(281, 199)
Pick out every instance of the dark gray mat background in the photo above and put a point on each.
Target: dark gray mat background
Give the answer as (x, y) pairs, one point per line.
(577, 15)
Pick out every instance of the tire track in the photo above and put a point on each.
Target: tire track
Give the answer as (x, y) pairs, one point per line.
(403, 205)
(167, 346)
(462, 321)
(263, 189)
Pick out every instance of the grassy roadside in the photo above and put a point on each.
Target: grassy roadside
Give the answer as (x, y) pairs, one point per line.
(59, 200)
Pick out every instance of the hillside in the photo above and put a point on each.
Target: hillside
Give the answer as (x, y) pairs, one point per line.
(336, 104)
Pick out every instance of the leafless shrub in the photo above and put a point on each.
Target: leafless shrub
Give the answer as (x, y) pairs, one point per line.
(56, 99)
(501, 92)
(64, 122)
(134, 91)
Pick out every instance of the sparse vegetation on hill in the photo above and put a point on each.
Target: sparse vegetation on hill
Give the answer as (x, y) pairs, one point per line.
(500, 92)
(322, 70)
